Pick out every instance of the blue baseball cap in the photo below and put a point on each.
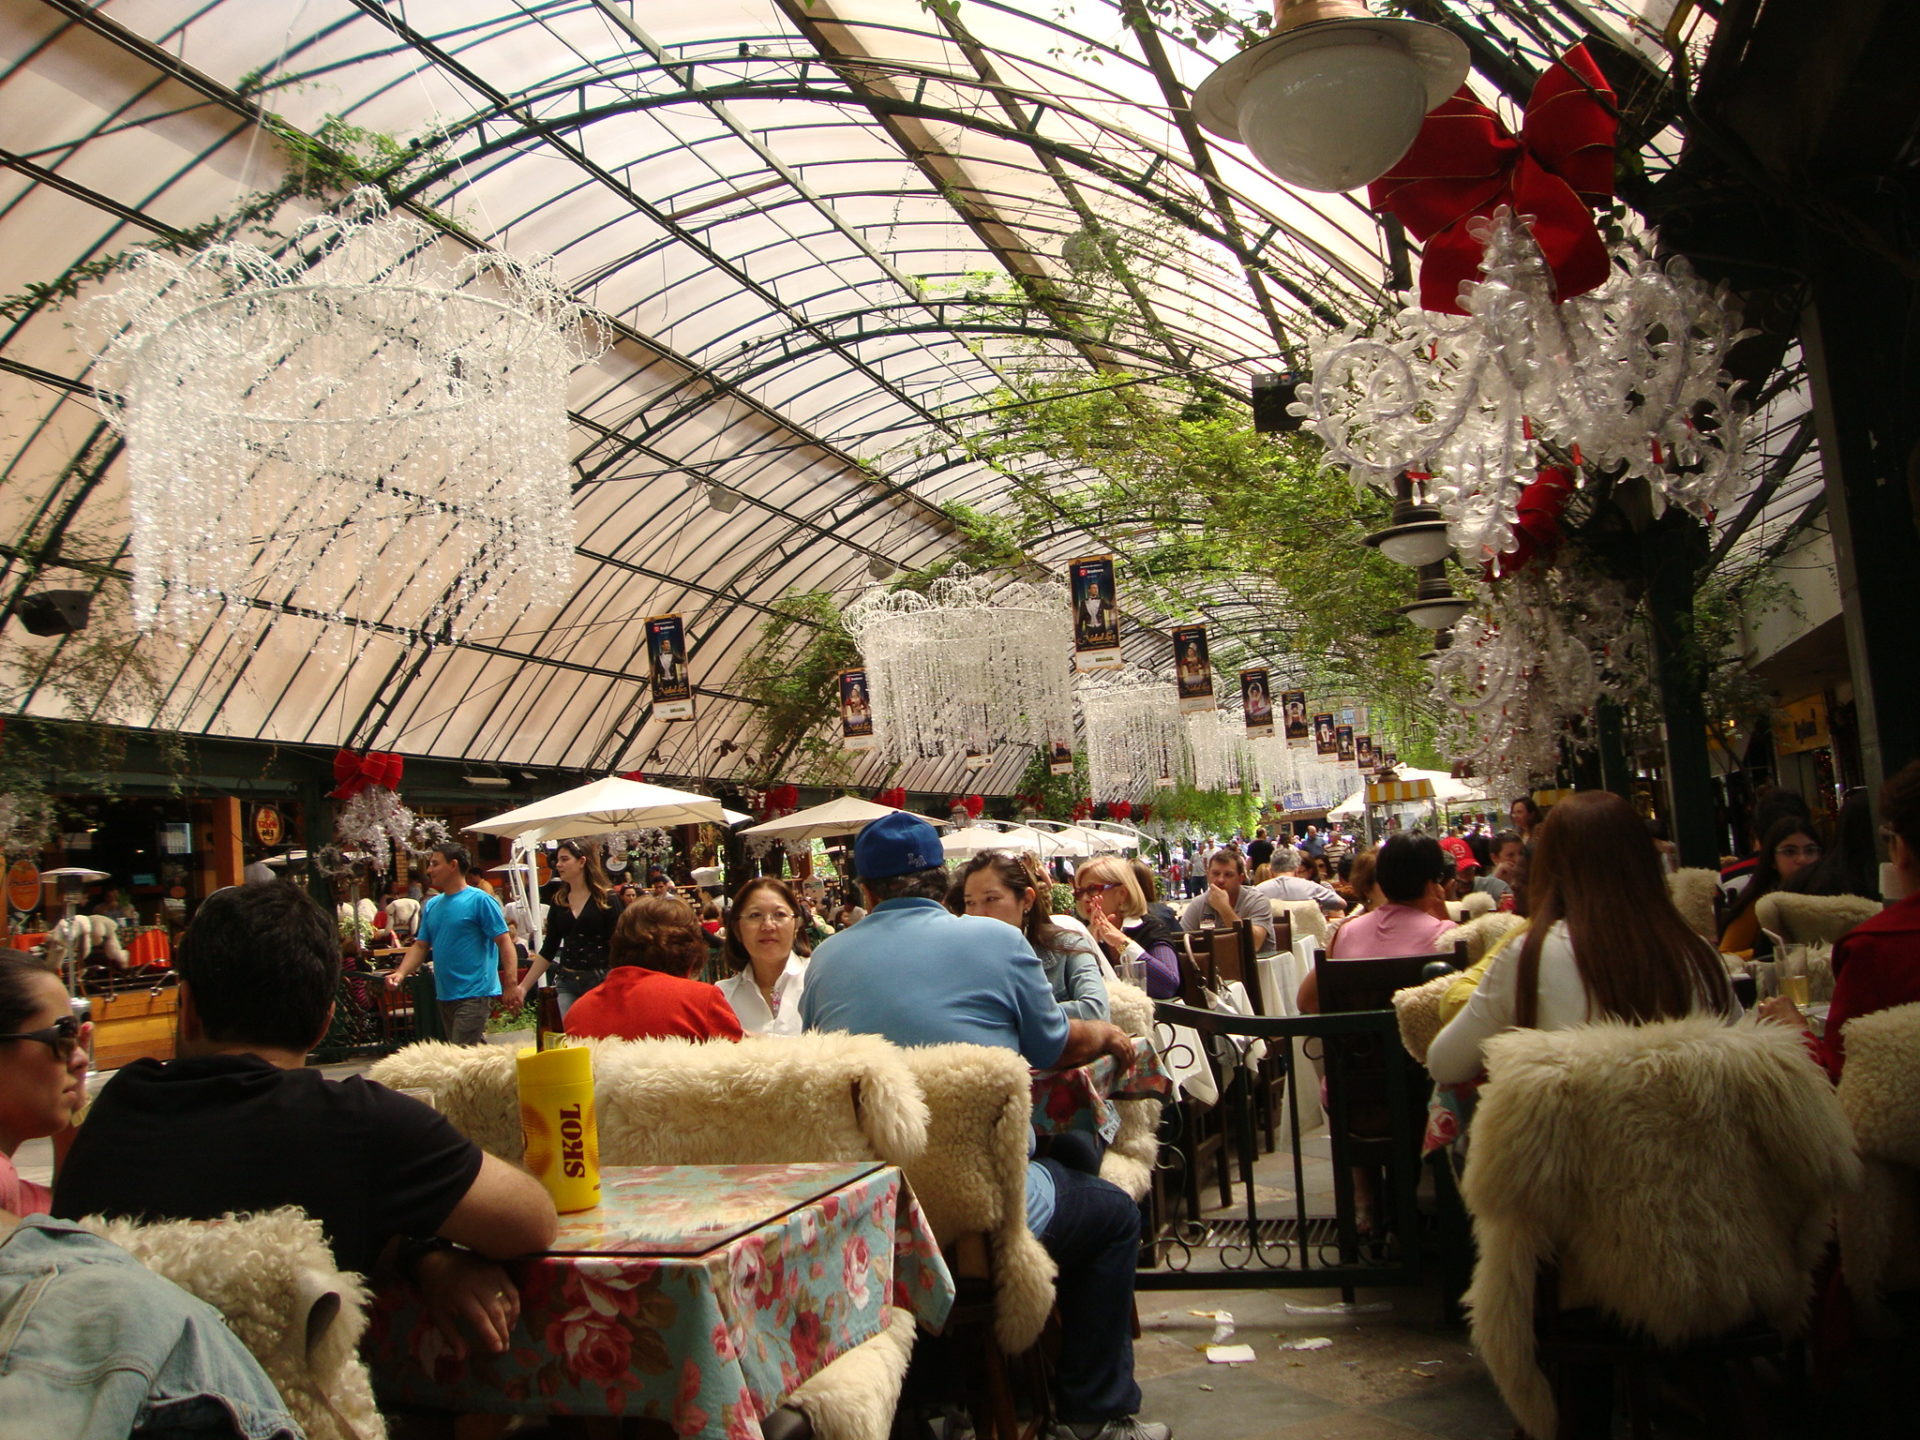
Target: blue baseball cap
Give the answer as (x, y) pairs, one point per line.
(896, 844)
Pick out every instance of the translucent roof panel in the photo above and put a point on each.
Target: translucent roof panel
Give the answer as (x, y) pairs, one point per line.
(824, 232)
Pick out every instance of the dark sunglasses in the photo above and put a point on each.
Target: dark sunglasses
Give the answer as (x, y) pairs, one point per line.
(62, 1037)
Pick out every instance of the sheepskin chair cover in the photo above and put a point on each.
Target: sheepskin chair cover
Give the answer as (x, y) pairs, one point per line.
(1304, 917)
(272, 1277)
(1484, 934)
(1418, 1010)
(854, 1396)
(1682, 1175)
(973, 1177)
(1693, 892)
(1471, 906)
(1130, 1159)
(766, 1099)
(1880, 1093)
(1803, 919)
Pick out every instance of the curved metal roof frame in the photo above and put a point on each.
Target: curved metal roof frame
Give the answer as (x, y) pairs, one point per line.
(825, 234)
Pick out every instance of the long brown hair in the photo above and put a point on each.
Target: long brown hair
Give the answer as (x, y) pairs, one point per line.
(736, 950)
(1595, 867)
(658, 932)
(1019, 873)
(599, 886)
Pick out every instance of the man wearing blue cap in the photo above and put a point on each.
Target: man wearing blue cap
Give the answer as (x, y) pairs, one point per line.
(917, 975)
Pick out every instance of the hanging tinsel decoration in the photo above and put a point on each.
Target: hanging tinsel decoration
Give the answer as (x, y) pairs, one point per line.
(978, 660)
(375, 823)
(1136, 735)
(1218, 741)
(359, 427)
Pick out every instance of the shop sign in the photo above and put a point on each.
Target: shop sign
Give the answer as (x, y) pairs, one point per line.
(23, 885)
(1801, 726)
(268, 827)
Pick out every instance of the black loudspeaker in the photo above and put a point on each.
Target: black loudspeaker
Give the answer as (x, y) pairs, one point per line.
(54, 612)
(1272, 393)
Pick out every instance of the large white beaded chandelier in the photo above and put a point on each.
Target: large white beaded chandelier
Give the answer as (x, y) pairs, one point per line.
(976, 662)
(1218, 742)
(358, 427)
(1136, 735)
(1628, 377)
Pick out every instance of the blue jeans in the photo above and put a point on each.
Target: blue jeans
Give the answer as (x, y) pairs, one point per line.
(1094, 1237)
(95, 1346)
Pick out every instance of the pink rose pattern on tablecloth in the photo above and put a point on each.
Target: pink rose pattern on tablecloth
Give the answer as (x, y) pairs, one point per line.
(710, 1342)
(1065, 1101)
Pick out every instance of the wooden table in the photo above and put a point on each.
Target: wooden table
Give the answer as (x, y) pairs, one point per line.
(699, 1295)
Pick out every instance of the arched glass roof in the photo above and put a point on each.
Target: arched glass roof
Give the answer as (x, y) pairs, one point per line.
(824, 233)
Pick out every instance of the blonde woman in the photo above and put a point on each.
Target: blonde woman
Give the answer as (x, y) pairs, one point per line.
(1110, 901)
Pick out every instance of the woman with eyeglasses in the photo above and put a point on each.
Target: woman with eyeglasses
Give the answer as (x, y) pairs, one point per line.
(1790, 847)
(43, 1073)
(768, 949)
(1013, 889)
(579, 927)
(1109, 900)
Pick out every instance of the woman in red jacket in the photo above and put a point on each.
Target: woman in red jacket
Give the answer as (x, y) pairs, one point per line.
(646, 994)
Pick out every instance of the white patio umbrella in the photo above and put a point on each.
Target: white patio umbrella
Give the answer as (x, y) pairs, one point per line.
(977, 839)
(841, 816)
(601, 807)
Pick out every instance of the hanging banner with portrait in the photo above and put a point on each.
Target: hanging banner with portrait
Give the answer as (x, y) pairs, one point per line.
(1096, 613)
(667, 652)
(1256, 700)
(856, 711)
(1293, 704)
(1363, 752)
(1325, 743)
(1060, 756)
(1192, 669)
(1343, 741)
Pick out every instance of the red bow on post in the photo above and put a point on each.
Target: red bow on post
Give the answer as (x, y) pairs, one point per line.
(1537, 529)
(353, 773)
(780, 800)
(896, 797)
(1083, 808)
(1145, 814)
(1119, 809)
(1464, 165)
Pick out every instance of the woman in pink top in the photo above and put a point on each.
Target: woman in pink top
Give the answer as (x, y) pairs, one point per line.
(43, 1072)
(1410, 873)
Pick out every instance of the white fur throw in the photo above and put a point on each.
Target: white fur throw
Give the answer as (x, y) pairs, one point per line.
(1880, 1092)
(1471, 906)
(1130, 1159)
(273, 1279)
(1304, 917)
(1804, 918)
(1693, 892)
(78, 936)
(972, 1180)
(1682, 1175)
(1418, 1010)
(766, 1099)
(1483, 934)
(854, 1396)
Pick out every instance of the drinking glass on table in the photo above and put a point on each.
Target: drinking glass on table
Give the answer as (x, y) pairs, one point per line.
(1794, 987)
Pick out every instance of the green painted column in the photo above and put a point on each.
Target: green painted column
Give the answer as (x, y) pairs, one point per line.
(1675, 551)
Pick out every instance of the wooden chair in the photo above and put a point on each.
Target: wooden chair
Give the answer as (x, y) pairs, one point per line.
(1358, 1104)
(1201, 1137)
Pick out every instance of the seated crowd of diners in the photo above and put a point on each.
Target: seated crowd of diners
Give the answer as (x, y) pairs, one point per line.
(973, 954)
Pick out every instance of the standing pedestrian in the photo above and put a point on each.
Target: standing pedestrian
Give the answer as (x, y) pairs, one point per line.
(464, 929)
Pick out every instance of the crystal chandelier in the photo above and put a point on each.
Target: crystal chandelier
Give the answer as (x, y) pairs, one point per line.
(359, 428)
(978, 661)
(1628, 376)
(1217, 740)
(1528, 664)
(1136, 735)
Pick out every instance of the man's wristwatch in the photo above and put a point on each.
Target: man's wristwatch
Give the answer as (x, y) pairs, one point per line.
(412, 1250)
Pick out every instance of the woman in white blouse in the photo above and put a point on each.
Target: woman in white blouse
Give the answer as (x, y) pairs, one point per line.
(1602, 941)
(766, 948)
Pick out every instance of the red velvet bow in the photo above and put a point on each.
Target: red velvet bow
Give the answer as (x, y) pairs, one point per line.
(896, 797)
(353, 773)
(1465, 164)
(1119, 809)
(1537, 530)
(1083, 807)
(972, 804)
(1144, 814)
(780, 800)
(639, 776)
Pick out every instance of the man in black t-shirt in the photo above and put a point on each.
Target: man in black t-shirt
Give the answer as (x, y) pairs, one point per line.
(238, 1123)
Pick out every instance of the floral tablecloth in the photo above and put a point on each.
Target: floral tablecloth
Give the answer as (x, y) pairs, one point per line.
(1065, 1101)
(697, 1295)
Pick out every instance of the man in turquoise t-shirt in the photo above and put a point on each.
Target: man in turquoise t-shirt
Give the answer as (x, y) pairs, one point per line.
(465, 931)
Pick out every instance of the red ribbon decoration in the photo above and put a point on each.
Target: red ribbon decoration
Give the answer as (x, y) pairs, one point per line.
(972, 804)
(896, 797)
(638, 776)
(1536, 531)
(353, 773)
(1144, 814)
(1465, 164)
(1083, 807)
(1119, 809)
(780, 800)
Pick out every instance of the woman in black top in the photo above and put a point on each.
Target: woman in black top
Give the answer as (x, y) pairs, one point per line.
(579, 925)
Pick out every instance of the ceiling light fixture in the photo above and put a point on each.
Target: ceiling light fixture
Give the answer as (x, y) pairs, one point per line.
(1418, 534)
(1334, 98)
(721, 499)
(1435, 605)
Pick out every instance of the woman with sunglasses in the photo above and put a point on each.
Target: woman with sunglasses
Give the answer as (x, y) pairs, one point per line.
(579, 926)
(1109, 900)
(43, 1073)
